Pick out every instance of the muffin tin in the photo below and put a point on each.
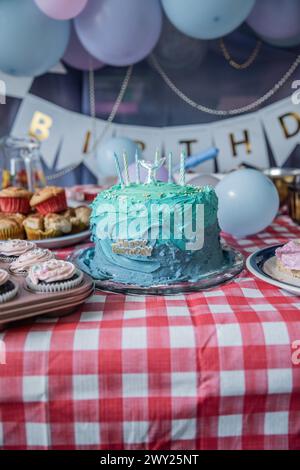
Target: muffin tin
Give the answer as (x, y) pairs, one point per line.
(28, 304)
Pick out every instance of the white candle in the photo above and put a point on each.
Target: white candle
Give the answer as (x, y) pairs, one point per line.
(170, 157)
(182, 169)
(137, 168)
(157, 155)
(119, 172)
(126, 174)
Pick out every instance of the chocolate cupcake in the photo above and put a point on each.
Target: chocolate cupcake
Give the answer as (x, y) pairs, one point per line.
(25, 261)
(53, 276)
(10, 250)
(8, 289)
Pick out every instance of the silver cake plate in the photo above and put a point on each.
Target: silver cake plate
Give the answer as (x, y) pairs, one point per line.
(235, 264)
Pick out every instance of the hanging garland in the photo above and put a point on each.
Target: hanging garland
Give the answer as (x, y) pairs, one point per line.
(224, 112)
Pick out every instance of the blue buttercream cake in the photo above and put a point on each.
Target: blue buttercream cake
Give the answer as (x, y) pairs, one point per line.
(155, 234)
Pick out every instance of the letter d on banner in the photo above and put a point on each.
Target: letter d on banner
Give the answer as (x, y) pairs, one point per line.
(40, 126)
(282, 124)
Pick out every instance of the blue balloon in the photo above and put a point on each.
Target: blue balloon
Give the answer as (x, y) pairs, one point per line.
(207, 19)
(248, 202)
(30, 42)
(105, 155)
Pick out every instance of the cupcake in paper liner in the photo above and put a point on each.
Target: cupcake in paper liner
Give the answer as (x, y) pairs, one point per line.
(10, 250)
(15, 200)
(25, 261)
(39, 227)
(10, 228)
(53, 276)
(8, 289)
(49, 199)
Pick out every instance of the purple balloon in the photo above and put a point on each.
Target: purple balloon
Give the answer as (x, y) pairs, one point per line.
(161, 174)
(276, 20)
(120, 32)
(76, 56)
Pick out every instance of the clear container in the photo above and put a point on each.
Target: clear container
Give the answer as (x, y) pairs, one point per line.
(22, 163)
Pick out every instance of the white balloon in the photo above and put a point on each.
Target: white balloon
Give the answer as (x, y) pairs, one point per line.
(248, 202)
(105, 155)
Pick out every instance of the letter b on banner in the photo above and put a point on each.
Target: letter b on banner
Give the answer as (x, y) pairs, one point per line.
(40, 126)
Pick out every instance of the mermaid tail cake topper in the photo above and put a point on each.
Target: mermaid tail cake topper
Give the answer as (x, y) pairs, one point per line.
(151, 167)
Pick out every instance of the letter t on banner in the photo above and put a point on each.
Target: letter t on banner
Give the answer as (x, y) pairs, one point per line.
(282, 124)
(240, 140)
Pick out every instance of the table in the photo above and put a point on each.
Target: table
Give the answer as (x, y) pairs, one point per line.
(209, 370)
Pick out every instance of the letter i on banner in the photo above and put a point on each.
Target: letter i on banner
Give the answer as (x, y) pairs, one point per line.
(282, 125)
(240, 140)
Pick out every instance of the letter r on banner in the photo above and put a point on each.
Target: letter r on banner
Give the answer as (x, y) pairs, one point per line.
(40, 126)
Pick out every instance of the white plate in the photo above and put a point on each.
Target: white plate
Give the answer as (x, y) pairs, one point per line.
(62, 242)
(262, 265)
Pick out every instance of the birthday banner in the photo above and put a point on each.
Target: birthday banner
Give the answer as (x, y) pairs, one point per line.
(67, 137)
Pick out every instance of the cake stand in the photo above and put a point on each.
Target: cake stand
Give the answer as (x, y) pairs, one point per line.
(234, 264)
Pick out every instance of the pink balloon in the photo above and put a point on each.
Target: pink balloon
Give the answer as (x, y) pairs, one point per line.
(61, 9)
(120, 32)
(78, 57)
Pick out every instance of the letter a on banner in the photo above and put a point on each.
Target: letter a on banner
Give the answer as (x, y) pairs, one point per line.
(282, 124)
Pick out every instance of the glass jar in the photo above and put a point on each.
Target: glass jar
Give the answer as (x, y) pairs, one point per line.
(294, 202)
(22, 163)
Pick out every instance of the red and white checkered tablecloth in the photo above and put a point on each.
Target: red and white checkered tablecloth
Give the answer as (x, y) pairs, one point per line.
(209, 370)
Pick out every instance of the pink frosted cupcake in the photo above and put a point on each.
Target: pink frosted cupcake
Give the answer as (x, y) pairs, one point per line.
(8, 289)
(10, 250)
(25, 261)
(288, 258)
(53, 276)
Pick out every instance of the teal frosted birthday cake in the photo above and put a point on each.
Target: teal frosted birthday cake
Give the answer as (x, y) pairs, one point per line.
(155, 234)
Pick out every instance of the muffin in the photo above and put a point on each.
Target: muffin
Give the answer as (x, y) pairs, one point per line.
(39, 227)
(53, 276)
(10, 250)
(288, 258)
(14, 200)
(58, 223)
(49, 199)
(25, 261)
(79, 218)
(8, 289)
(10, 228)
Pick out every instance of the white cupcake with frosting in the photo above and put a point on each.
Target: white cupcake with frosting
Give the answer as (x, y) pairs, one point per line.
(10, 250)
(53, 276)
(25, 261)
